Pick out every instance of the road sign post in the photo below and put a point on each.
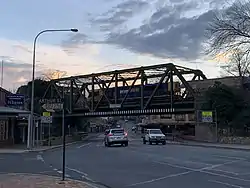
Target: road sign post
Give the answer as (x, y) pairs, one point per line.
(210, 117)
(52, 105)
(47, 119)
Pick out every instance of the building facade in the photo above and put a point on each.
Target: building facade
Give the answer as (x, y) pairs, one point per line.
(5, 132)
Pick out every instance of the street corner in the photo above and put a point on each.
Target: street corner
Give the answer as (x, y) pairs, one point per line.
(37, 181)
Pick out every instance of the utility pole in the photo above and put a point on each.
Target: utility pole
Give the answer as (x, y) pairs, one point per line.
(2, 74)
(63, 138)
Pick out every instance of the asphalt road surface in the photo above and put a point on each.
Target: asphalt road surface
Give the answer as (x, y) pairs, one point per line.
(138, 165)
(147, 166)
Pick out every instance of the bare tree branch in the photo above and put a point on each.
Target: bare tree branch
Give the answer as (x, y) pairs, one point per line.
(238, 64)
(230, 29)
(53, 74)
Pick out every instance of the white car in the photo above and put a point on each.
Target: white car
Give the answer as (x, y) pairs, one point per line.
(116, 136)
(154, 136)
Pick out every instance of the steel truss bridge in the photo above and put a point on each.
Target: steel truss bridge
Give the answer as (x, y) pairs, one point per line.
(135, 91)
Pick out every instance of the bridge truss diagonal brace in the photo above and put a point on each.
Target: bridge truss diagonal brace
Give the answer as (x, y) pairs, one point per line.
(183, 80)
(157, 87)
(104, 91)
(50, 89)
(131, 87)
(80, 93)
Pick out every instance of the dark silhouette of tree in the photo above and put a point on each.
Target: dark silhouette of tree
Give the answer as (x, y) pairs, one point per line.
(238, 65)
(232, 108)
(230, 29)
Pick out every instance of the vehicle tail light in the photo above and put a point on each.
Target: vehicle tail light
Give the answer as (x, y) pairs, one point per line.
(110, 134)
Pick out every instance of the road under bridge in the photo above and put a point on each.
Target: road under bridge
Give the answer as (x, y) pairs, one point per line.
(156, 89)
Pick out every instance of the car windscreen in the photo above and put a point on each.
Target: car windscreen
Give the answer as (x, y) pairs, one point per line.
(155, 132)
(117, 131)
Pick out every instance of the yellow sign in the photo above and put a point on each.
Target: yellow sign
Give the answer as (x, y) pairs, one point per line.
(46, 114)
(207, 114)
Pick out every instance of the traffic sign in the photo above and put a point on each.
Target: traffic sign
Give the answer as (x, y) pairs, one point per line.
(207, 116)
(52, 106)
(115, 106)
(46, 119)
(53, 100)
(46, 114)
(15, 100)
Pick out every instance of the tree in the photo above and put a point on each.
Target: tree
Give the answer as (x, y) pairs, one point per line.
(230, 30)
(51, 74)
(238, 64)
(40, 88)
(229, 104)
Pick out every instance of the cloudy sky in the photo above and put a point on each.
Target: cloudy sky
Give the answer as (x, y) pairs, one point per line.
(114, 34)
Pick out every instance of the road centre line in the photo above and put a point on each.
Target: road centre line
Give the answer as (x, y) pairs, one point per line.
(161, 178)
(83, 145)
(225, 171)
(187, 161)
(192, 170)
(202, 170)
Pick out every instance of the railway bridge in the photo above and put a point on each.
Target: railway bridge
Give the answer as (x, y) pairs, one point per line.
(156, 89)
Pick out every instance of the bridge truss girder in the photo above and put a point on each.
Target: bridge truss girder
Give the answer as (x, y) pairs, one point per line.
(79, 91)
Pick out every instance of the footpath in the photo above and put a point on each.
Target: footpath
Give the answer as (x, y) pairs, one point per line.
(242, 147)
(23, 149)
(212, 145)
(39, 181)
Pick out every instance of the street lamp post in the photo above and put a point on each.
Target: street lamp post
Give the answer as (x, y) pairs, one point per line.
(30, 129)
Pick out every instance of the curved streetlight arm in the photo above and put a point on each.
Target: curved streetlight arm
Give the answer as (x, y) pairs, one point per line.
(33, 74)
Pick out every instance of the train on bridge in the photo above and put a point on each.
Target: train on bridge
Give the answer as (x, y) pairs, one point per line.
(164, 89)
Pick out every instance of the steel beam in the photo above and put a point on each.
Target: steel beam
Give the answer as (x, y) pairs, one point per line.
(158, 67)
(94, 91)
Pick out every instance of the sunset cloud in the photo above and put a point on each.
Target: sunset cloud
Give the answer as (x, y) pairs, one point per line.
(17, 58)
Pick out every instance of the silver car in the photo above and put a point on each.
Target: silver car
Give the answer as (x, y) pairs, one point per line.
(116, 136)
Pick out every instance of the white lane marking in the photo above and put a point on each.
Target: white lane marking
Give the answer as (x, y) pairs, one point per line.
(47, 171)
(40, 158)
(158, 179)
(83, 145)
(87, 178)
(190, 170)
(60, 172)
(227, 184)
(229, 157)
(187, 161)
(225, 171)
(202, 170)
(77, 171)
(55, 169)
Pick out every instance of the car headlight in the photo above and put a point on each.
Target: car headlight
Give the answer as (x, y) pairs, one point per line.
(163, 137)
